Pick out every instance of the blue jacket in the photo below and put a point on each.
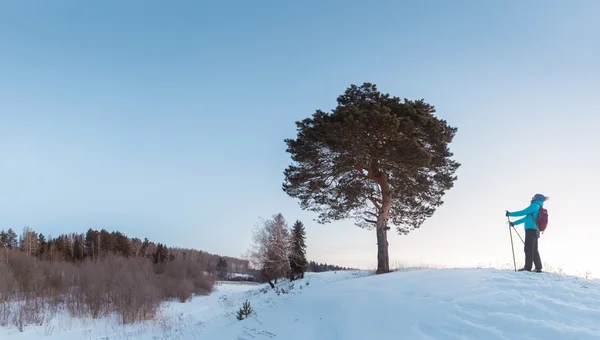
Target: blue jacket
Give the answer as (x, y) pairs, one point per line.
(530, 213)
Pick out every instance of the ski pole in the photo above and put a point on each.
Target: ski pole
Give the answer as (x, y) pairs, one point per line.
(519, 236)
(511, 243)
(516, 231)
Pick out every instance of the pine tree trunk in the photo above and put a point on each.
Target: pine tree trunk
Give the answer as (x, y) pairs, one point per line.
(383, 259)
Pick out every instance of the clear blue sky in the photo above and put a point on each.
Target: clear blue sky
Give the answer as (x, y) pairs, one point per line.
(166, 120)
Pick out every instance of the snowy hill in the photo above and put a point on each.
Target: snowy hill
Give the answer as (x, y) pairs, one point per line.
(431, 304)
(417, 304)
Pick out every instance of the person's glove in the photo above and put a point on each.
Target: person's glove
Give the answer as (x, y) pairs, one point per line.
(511, 224)
(507, 213)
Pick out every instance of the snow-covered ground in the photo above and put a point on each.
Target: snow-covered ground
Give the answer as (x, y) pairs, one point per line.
(239, 275)
(412, 304)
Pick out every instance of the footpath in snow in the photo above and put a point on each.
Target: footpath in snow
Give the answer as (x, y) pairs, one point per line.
(417, 304)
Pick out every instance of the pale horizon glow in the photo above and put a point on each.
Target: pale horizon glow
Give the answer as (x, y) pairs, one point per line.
(167, 121)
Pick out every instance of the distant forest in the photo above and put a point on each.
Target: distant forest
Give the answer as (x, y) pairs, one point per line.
(94, 244)
(323, 267)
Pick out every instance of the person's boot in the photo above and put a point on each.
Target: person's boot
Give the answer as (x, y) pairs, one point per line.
(524, 270)
(537, 270)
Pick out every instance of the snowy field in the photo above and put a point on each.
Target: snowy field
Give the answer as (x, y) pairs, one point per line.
(413, 304)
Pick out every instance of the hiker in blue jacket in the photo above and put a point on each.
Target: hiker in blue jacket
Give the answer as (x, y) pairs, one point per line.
(532, 234)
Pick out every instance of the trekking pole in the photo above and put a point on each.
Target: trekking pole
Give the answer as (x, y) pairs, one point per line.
(511, 243)
(516, 231)
(519, 236)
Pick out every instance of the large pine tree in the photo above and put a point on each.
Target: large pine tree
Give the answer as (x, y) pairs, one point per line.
(375, 158)
(298, 262)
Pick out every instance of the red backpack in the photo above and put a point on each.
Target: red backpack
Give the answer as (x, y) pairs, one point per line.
(542, 219)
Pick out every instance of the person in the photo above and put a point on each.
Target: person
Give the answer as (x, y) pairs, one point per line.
(532, 233)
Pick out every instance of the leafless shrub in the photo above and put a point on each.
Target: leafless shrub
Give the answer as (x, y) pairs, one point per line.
(48, 329)
(8, 287)
(94, 280)
(26, 313)
(18, 317)
(58, 277)
(171, 288)
(203, 285)
(130, 287)
(182, 279)
(25, 271)
(125, 286)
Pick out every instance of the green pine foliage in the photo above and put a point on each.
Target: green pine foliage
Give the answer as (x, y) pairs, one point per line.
(12, 240)
(245, 311)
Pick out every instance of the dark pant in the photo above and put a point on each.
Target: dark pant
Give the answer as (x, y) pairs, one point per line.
(532, 256)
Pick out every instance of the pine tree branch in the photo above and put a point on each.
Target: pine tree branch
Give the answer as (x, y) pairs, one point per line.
(374, 201)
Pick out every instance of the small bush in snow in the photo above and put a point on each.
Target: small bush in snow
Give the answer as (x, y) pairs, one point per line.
(245, 311)
(280, 291)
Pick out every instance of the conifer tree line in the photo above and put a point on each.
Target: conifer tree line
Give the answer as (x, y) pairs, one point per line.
(323, 267)
(94, 244)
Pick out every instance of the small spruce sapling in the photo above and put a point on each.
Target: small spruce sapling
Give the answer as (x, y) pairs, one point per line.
(245, 311)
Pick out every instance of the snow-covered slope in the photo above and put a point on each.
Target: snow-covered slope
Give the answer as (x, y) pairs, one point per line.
(431, 304)
(418, 304)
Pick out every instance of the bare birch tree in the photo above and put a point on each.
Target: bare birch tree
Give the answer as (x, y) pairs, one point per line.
(271, 249)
